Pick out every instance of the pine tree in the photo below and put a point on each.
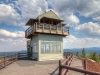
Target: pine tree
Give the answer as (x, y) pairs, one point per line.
(96, 57)
(77, 54)
(91, 55)
(83, 53)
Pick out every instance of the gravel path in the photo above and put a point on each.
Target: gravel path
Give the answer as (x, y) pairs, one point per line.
(30, 67)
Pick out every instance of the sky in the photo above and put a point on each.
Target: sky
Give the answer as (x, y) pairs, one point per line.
(82, 16)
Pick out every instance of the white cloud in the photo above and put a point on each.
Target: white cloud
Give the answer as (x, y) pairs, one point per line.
(8, 15)
(96, 18)
(74, 42)
(12, 41)
(8, 34)
(12, 45)
(88, 8)
(20, 12)
(66, 8)
(89, 29)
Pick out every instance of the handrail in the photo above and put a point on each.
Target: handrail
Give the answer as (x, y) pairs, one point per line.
(79, 70)
(36, 26)
(5, 59)
(68, 61)
(66, 66)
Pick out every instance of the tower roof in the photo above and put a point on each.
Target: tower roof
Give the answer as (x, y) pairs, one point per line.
(49, 15)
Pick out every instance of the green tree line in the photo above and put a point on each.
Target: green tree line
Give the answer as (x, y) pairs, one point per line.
(92, 55)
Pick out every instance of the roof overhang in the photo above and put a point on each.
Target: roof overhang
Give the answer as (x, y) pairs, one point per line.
(63, 24)
(46, 18)
(31, 21)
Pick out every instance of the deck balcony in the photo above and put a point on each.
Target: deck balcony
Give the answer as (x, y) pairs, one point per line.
(47, 29)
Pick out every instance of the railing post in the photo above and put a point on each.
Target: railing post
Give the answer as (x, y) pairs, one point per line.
(4, 60)
(85, 65)
(56, 29)
(43, 28)
(60, 69)
(12, 57)
(36, 26)
(50, 28)
(66, 61)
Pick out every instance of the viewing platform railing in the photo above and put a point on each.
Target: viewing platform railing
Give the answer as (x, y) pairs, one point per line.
(7, 59)
(64, 66)
(46, 28)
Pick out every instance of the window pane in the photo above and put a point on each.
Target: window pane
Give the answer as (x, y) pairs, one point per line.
(47, 47)
(54, 48)
(58, 43)
(43, 47)
(55, 43)
(59, 49)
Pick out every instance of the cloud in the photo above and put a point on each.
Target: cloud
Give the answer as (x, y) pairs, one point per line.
(8, 15)
(74, 42)
(12, 45)
(67, 9)
(12, 41)
(96, 18)
(8, 34)
(89, 29)
(19, 12)
(88, 8)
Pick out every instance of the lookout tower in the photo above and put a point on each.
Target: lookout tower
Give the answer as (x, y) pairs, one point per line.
(46, 34)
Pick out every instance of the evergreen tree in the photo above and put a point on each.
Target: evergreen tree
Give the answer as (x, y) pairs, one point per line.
(77, 54)
(95, 57)
(91, 55)
(83, 53)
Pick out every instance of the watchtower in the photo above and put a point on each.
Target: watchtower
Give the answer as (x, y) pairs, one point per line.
(46, 34)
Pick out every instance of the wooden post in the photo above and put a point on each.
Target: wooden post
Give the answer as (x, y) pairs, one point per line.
(66, 61)
(4, 60)
(50, 28)
(56, 28)
(36, 27)
(85, 65)
(12, 57)
(43, 28)
(60, 69)
(16, 56)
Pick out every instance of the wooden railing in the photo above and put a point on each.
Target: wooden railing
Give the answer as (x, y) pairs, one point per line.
(67, 61)
(65, 66)
(46, 28)
(7, 59)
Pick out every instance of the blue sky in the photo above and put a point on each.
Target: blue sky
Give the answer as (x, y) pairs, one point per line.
(82, 16)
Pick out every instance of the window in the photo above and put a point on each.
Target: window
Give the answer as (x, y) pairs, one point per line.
(59, 46)
(43, 47)
(35, 47)
(50, 46)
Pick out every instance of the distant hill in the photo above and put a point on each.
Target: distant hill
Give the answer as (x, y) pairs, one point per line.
(13, 52)
(88, 50)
